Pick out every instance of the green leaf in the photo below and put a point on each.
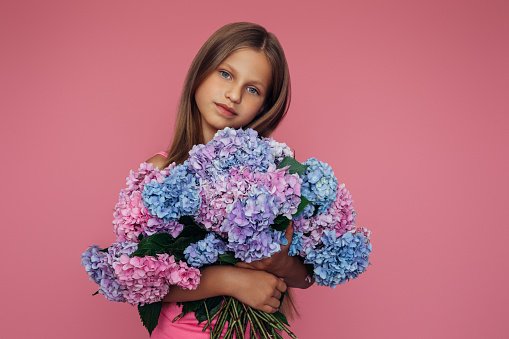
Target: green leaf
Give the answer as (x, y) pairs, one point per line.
(228, 258)
(214, 304)
(153, 245)
(181, 243)
(198, 307)
(281, 223)
(188, 220)
(96, 293)
(161, 239)
(165, 243)
(149, 315)
(191, 306)
(295, 166)
(303, 203)
(281, 317)
(201, 313)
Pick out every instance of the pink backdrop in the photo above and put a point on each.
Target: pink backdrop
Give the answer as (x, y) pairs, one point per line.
(406, 100)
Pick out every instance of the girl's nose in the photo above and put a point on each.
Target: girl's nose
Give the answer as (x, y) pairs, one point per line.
(234, 94)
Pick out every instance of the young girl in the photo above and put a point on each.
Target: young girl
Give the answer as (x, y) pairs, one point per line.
(239, 78)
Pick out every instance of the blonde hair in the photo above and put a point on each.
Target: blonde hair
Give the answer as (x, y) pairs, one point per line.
(225, 41)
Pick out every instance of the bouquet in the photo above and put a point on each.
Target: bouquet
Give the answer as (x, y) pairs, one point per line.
(231, 201)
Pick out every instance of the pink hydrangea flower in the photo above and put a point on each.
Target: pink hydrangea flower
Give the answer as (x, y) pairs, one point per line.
(364, 231)
(147, 280)
(339, 217)
(130, 216)
(342, 212)
(215, 199)
(285, 186)
(185, 277)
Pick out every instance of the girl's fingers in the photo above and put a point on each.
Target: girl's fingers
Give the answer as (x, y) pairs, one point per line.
(277, 295)
(281, 286)
(243, 265)
(269, 309)
(274, 303)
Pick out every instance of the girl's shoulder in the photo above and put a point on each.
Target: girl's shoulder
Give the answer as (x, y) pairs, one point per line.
(158, 159)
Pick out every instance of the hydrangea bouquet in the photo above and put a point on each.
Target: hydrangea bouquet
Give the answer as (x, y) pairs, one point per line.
(231, 201)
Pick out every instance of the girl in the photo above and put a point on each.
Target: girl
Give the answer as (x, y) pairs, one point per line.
(239, 78)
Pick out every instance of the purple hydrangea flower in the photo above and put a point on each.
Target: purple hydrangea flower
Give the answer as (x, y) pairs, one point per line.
(205, 251)
(100, 267)
(91, 259)
(284, 186)
(279, 150)
(110, 287)
(258, 245)
(248, 226)
(230, 148)
(173, 228)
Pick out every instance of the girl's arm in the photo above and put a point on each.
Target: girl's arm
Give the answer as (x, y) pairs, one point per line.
(258, 289)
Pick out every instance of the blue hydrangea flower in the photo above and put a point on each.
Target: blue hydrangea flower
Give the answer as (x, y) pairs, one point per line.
(340, 259)
(205, 251)
(319, 185)
(307, 212)
(296, 246)
(178, 195)
(229, 148)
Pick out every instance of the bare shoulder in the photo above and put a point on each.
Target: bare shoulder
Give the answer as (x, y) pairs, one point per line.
(157, 160)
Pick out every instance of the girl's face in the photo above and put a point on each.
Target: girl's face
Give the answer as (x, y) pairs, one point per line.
(234, 93)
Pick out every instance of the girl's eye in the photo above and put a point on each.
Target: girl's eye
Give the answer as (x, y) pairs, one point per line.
(252, 90)
(225, 74)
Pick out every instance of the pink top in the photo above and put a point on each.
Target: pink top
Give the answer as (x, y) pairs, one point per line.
(164, 154)
(186, 327)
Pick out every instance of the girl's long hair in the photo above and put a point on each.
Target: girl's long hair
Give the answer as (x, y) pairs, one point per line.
(225, 41)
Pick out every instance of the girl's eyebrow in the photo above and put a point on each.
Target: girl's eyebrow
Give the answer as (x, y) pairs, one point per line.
(254, 82)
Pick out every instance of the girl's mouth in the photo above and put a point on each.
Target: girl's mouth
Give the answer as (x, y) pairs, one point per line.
(225, 110)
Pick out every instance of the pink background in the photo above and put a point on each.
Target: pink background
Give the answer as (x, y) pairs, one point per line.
(406, 100)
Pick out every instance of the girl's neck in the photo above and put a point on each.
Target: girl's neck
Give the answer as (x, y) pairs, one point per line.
(208, 135)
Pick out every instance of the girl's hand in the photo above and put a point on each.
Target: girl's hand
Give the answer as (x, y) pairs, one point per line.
(258, 289)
